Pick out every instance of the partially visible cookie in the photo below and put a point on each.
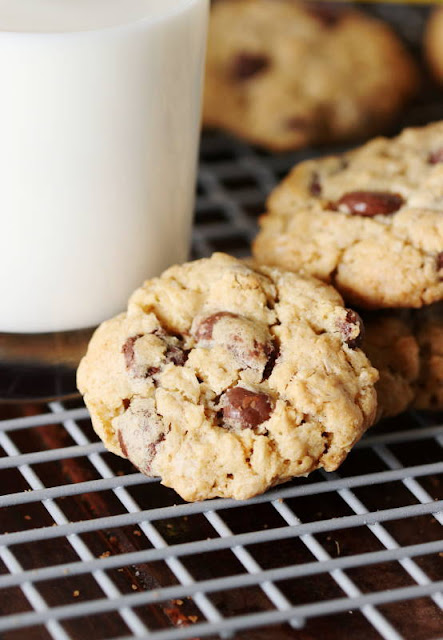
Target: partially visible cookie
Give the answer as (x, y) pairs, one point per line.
(370, 221)
(429, 332)
(406, 346)
(434, 43)
(224, 380)
(392, 348)
(285, 74)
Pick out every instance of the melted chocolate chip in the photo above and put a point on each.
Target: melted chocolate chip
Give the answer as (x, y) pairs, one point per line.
(176, 355)
(436, 156)
(246, 409)
(259, 349)
(138, 368)
(348, 329)
(371, 203)
(128, 351)
(247, 65)
(206, 327)
(315, 186)
(126, 403)
(440, 261)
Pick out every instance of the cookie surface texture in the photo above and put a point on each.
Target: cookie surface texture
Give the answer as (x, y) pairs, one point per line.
(225, 381)
(369, 221)
(284, 74)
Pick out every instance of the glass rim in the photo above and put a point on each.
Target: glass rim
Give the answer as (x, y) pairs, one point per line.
(172, 12)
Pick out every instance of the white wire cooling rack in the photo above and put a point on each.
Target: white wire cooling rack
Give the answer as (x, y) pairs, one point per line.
(91, 548)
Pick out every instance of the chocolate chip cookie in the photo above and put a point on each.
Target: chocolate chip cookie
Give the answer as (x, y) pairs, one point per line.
(429, 332)
(225, 380)
(285, 74)
(369, 221)
(434, 43)
(391, 345)
(406, 346)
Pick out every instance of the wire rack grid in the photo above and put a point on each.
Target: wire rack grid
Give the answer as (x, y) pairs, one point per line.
(90, 547)
(314, 544)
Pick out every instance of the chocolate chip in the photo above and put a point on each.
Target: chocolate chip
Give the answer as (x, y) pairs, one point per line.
(315, 186)
(246, 409)
(328, 15)
(296, 122)
(152, 450)
(371, 203)
(128, 351)
(328, 437)
(140, 367)
(436, 156)
(273, 355)
(258, 349)
(206, 327)
(440, 261)
(176, 355)
(247, 65)
(249, 342)
(352, 329)
(126, 403)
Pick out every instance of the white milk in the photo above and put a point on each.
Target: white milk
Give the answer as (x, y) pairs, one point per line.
(99, 121)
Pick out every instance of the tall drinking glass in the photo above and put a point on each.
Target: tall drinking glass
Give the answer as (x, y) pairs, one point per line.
(99, 126)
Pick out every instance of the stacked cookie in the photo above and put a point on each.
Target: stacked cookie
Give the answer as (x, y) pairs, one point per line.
(370, 222)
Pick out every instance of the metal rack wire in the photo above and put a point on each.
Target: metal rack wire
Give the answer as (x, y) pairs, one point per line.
(90, 547)
(421, 498)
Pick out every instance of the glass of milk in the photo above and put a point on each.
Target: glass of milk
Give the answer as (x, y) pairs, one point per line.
(99, 124)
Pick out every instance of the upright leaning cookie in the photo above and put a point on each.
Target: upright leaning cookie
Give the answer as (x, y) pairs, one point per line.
(369, 221)
(224, 380)
(285, 74)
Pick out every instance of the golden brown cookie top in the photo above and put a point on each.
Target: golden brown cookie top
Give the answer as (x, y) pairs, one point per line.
(225, 380)
(369, 221)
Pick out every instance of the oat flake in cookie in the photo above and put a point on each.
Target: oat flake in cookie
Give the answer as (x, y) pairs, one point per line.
(224, 380)
(285, 74)
(369, 221)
